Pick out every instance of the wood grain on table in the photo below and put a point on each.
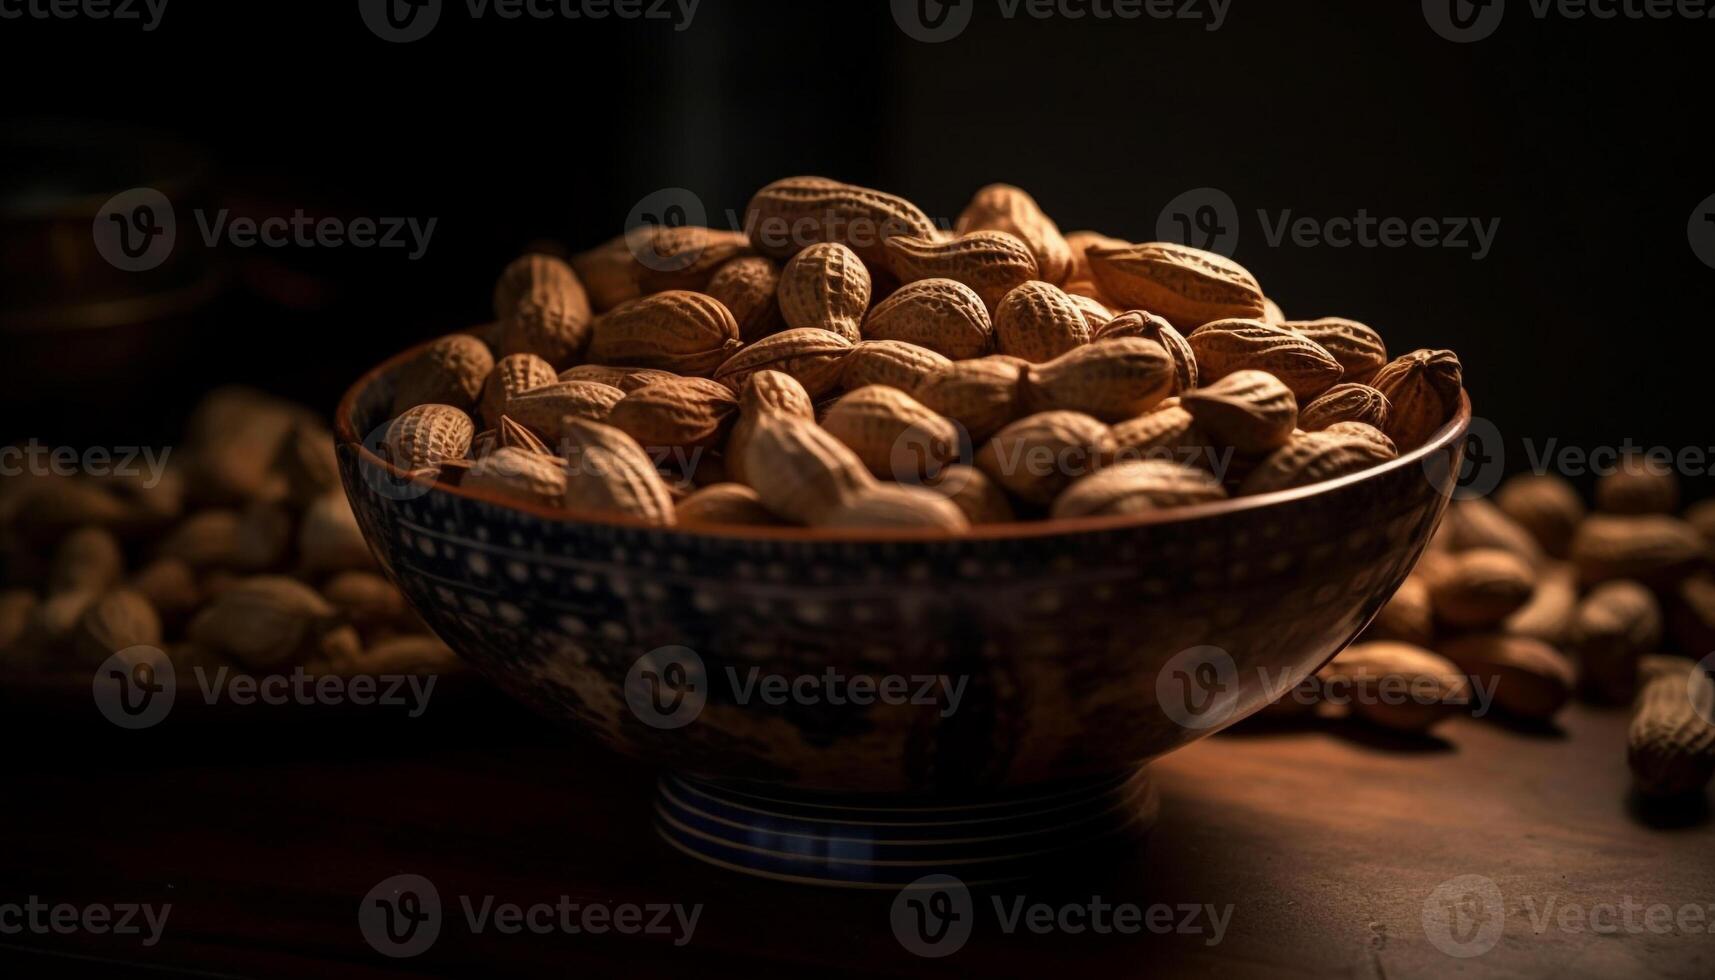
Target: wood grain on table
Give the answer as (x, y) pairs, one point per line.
(1317, 848)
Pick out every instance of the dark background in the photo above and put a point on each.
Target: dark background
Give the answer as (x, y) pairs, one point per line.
(1588, 323)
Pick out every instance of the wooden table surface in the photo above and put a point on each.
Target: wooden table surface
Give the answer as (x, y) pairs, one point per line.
(1325, 842)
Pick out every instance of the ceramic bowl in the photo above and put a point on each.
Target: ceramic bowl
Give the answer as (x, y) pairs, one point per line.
(1019, 656)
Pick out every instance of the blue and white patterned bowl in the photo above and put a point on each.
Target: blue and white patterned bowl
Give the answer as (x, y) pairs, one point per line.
(1080, 648)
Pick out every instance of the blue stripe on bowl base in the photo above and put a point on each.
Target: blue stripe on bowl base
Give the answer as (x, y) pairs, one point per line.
(885, 841)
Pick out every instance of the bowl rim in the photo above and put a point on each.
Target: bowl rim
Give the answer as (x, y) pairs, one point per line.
(346, 431)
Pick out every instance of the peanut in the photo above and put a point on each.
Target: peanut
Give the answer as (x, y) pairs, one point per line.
(542, 309)
(520, 475)
(544, 410)
(1615, 625)
(427, 434)
(1406, 617)
(1039, 322)
(682, 257)
(1396, 685)
(682, 413)
(894, 505)
(791, 214)
(890, 362)
(1002, 207)
(971, 490)
(1546, 506)
(825, 286)
(765, 392)
(1670, 745)
(1037, 457)
(945, 316)
(725, 503)
(1652, 548)
(683, 332)
(507, 434)
(991, 263)
(626, 379)
(608, 472)
(1359, 350)
(1225, 346)
(981, 394)
(1188, 286)
(1345, 403)
(810, 354)
(1136, 486)
(1313, 457)
(799, 470)
(1481, 588)
(1148, 326)
(748, 287)
(1112, 380)
(1639, 485)
(512, 376)
(1251, 411)
(1423, 390)
(892, 433)
(1548, 614)
(450, 371)
(1531, 679)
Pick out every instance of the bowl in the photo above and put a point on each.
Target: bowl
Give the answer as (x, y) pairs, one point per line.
(826, 696)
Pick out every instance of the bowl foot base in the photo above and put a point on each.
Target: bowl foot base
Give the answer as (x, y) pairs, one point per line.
(887, 841)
